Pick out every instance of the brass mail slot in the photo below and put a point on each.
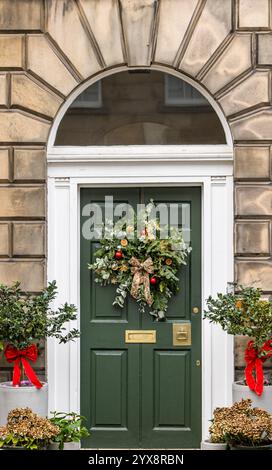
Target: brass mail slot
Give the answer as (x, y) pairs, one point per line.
(140, 336)
(182, 334)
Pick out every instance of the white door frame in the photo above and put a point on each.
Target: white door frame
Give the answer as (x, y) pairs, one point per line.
(210, 167)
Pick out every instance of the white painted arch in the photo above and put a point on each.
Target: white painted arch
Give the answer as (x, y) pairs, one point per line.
(70, 168)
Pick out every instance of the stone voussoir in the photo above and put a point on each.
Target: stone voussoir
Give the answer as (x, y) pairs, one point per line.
(232, 62)
(68, 32)
(211, 29)
(251, 91)
(45, 63)
(27, 93)
(19, 126)
(256, 125)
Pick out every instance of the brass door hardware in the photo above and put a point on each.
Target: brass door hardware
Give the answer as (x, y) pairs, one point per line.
(195, 310)
(140, 336)
(197, 363)
(182, 334)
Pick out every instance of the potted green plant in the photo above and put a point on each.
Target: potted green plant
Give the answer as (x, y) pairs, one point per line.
(217, 439)
(26, 430)
(24, 321)
(245, 313)
(244, 427)
(71, 431)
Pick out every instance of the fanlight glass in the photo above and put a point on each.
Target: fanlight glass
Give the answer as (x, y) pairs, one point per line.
(140, 108)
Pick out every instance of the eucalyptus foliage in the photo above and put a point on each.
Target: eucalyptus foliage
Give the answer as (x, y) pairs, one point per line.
(166, 255)
(242, 313)
(26, 318)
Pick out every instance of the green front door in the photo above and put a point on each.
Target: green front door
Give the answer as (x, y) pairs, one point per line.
(142, 395)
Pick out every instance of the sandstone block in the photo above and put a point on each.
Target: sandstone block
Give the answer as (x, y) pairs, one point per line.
(252, 162)
(4, 165)
(43, 61)
(265, 49)
(103, 17)
(29, 94)
(11, 51)
(172, 28)
(31, 274)
(253, 14)
(28, 239)
(252, 237)
(4, 239)
(255, 125)
(255, 273)
(235, 60)
(138, 21)
(253, 200)
(29, 164)
(3, 90)
(18, 126)
(22, 201)
(22, 14)
(65, 27)
(212, 28)
(252, 91)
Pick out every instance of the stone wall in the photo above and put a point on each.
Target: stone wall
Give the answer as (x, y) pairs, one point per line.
(47, 48)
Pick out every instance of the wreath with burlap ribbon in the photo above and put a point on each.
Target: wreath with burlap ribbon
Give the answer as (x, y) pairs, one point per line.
(141, 271)
(144, 267)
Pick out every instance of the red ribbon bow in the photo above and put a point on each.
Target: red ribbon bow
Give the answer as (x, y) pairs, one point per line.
(255, 361)
(16, 355)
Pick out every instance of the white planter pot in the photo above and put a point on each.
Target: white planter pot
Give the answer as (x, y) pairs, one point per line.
(264, 402)
(67, 446)
(22, 397)
(208, 445)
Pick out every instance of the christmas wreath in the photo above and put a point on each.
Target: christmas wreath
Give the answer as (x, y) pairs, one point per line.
(142, 264)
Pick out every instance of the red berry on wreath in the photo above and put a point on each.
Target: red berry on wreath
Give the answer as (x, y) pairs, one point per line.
(153, 280)
(118, 255)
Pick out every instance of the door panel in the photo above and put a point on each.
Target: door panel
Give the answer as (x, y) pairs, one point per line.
(170, 401)
(109, 372)
(142, 395)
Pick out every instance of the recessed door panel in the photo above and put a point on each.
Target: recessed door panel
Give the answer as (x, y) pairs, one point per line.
(109, 388)
(171, 383)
